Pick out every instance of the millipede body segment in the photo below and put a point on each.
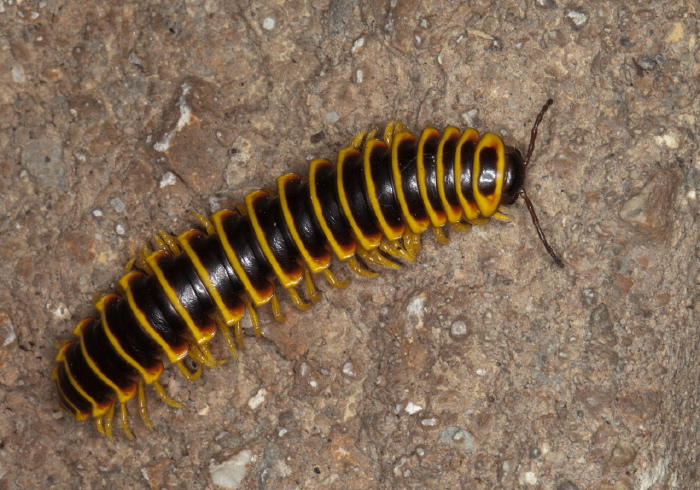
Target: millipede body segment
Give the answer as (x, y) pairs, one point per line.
(374, 203)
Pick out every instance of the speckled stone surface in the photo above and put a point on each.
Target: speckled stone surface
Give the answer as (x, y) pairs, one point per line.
(482, 365)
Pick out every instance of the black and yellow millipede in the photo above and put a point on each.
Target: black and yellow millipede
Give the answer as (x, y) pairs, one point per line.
(369, 209)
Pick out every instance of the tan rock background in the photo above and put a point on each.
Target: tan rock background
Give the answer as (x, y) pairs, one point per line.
(481, 366)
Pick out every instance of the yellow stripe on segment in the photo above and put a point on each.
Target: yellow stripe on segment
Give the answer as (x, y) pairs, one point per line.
(414, 225)
(367, 242)
(199, 335)
(488, 204)
(125, 284)
(341, 252)
(286, 280)
(97, 410)
(389, 232)
(229, 316)
(122, 395)
(148, 376)
(470, 135)
(258, 297)
(454, 214)
(437, 218)
(315, 265)
(78, 414)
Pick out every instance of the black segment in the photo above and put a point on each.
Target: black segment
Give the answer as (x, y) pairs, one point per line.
(108, 361)
(221, 274)
(69, 391)
(241, 236)
(91, 384)
(131, 337)
(380, 166)
(356, 194)
(409, 177)
(430, 163)
(327, 193)
(271, 221)
(488, 162)
(467, 154)
(448, 163)
(299, 202)
(179, 274)
(160, 314)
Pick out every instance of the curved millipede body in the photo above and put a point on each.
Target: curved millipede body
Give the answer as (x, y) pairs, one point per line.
(374, 203)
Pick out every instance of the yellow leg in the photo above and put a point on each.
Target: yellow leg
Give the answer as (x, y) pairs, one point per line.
(170, 242)
(334, 281)
(254, 319)
(440, 235)
(143, 410)
(99, 426)
(240, 208)
(208, 226)
(376, 258)
(201, 354)
(141, 260)
(395, 249)
(124, 415)
(411, 242)
(355, 267)
(461, 226)
(314, 294)
(189, 376)
(228, 339)
(296, 299)
(500, 216)
(276, 310)
(392, 129)
(108, 423)
(129, 266)
(160, 391)
(357, 140)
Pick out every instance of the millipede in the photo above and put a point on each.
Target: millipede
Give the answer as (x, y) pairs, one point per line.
(368, 210)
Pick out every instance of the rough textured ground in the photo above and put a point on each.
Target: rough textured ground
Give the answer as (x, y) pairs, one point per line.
(481, 366)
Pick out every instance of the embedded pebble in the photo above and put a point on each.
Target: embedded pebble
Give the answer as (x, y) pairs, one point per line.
(43, 158)
(231, 473)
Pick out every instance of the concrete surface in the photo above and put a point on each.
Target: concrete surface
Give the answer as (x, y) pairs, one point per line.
(482, 366)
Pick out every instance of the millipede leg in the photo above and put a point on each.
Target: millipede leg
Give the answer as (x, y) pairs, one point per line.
(228, 339)
(296, 299)
(355, 267)
(314, 294)
(108, 422)
(254, 319)
(143, 410)
(189, 376)
(238, 332)
(124, 415)
(411, 243)
(129, 265)
(374, 257)
(334, 281)
(395, 249)
(208, 226)
(459, 226)
(160, 391)
(276, 310)
(170, 242)
(440, 235)
(356, 141)
(99, 426)
(141, 262)
(500, 216)
(201, 354)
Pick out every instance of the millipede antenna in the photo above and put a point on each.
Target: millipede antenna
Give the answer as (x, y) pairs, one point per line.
(528, 203)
